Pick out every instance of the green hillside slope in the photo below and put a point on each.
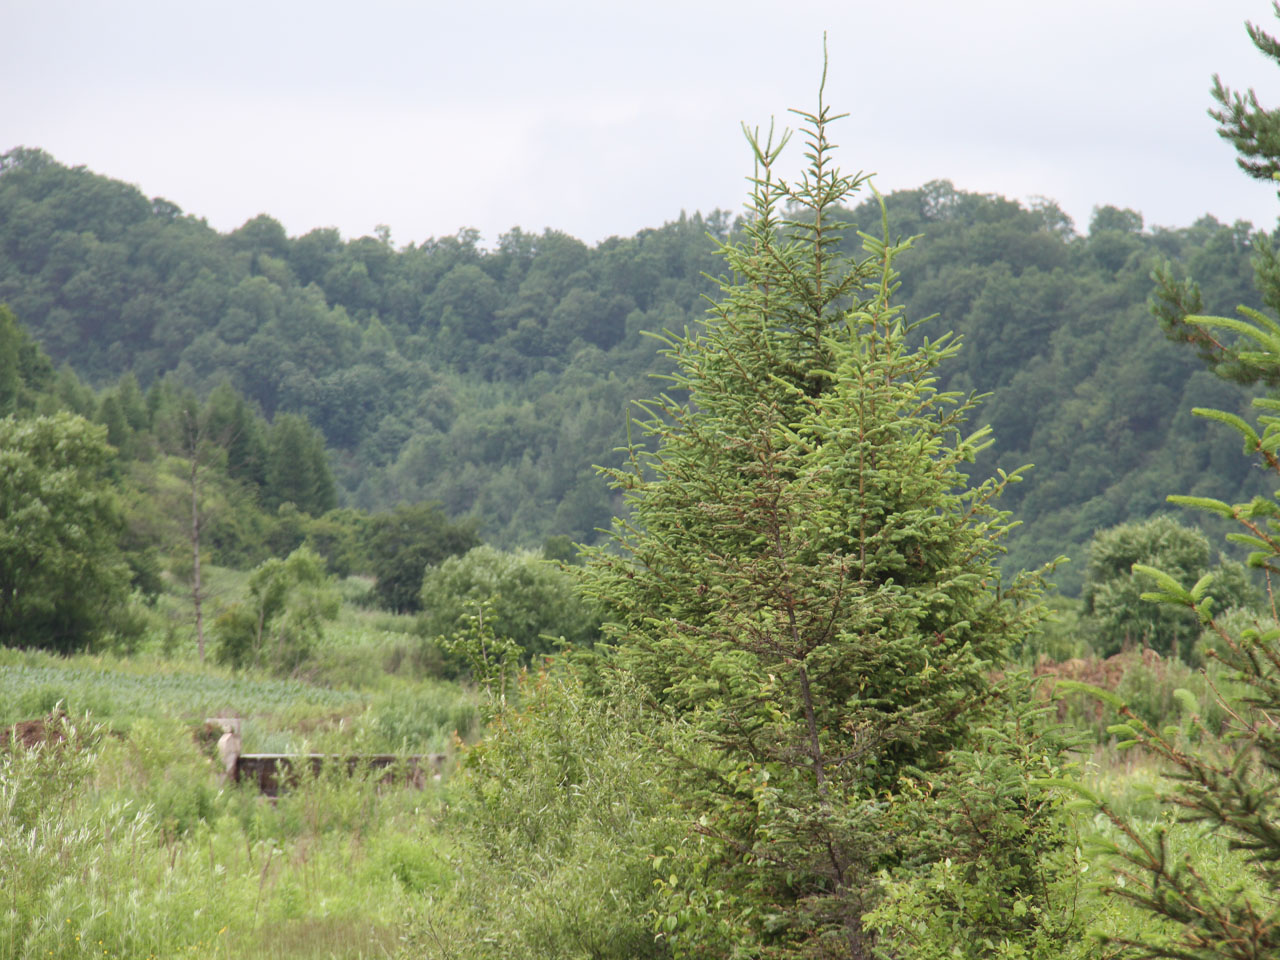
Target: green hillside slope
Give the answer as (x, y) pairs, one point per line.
(492, 379)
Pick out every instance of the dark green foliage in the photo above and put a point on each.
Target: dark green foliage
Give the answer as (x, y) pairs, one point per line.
(352, 335)
(1112, 589)
(407, 540)
(560, 549)
(297, 467)
(339, 536)
(500, 411)
(527, 599)
(246, 473)
(11, 338)
(261, 235)
(184, 488)
(244, 518)
(805, 578)
(230, 423)
(25, 371)
(1084, 387)
(63, 579)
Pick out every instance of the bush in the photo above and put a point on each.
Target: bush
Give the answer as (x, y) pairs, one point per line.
(528, 598)
(404, 542)
(279, 622)
(63, 576)
(558, 813)
(1113, 590)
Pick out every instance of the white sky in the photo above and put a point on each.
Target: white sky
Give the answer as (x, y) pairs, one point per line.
(603, 118)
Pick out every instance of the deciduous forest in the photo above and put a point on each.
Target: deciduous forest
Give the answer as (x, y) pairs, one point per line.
(849, 576)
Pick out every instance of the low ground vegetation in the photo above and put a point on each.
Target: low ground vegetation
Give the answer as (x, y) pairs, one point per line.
(118, 837)
(557, 836)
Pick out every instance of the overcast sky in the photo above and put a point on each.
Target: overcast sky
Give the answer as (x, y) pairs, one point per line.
(604, 118)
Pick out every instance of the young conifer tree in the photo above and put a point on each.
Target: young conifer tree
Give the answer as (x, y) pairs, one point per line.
(1254, 131)
(1206, 906)
(804, 576)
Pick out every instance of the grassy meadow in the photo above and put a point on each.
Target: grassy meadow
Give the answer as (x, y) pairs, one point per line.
(118, 839)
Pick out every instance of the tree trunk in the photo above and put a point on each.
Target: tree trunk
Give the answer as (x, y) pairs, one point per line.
(197, 592)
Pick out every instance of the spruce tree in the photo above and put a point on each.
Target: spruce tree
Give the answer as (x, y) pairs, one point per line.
(1226, 779)
(297, 467)
(1254, 130)
(805, 577)
(1207, 906)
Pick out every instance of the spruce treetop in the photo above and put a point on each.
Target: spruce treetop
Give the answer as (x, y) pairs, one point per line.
(804, 574)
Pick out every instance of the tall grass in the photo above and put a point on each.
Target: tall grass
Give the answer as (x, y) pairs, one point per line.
(122, 841)
(128, 846)
(281, 714)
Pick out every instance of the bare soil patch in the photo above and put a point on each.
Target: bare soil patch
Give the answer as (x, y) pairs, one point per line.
(31, 733)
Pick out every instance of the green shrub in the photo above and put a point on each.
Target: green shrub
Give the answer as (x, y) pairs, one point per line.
(63, 575)
(1002, 871)
(1112, 593)
(529, 599)
(279, 622)
(557, 815)
(407, 540)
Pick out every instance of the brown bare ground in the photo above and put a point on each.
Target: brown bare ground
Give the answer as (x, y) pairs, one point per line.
(1098, 672)
(30, 733)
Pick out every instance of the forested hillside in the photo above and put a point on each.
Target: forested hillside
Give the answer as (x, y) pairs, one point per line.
(492, 378)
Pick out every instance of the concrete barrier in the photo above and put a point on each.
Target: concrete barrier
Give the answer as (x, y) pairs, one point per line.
(272, 772)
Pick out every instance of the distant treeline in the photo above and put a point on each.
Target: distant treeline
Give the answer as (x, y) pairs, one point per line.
(491, 380)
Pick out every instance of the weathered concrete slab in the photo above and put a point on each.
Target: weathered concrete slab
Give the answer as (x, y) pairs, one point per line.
(272, 772)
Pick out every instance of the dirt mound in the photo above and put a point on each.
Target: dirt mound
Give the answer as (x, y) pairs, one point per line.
(1105, 673)
(1097, 672)
(30, 733)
